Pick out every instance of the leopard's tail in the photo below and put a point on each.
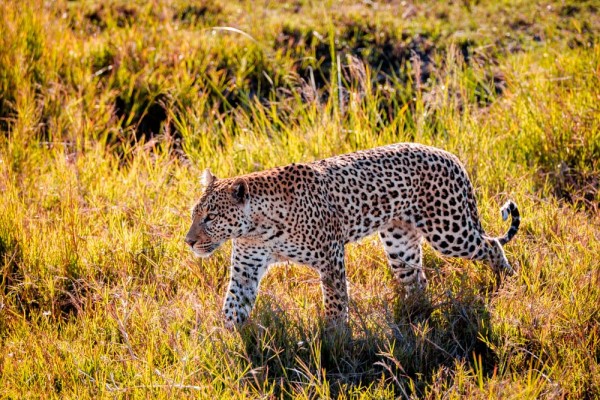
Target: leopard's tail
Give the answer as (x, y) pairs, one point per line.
(510, 208)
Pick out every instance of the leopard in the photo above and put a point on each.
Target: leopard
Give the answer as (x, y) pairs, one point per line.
(305, 213)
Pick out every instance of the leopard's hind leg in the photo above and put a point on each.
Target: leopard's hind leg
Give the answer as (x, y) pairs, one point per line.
(402, 245)
(467, 240)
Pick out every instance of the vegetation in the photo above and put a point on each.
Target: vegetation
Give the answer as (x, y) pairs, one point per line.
(109, 111)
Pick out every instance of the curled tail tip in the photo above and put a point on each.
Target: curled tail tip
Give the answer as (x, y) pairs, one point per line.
(510, 208)
(507, 209)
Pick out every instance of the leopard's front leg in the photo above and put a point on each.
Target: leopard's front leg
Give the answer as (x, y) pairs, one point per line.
(248, 265)
(334, 286)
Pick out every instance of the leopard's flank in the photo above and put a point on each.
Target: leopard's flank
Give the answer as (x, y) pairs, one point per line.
(306, 213)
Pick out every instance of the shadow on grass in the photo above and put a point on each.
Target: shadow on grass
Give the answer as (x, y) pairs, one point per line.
(406, 349)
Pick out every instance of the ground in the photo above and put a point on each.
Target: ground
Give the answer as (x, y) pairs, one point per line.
(109, 112)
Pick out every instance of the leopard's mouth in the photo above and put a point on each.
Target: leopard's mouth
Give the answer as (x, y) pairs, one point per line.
(204, 249)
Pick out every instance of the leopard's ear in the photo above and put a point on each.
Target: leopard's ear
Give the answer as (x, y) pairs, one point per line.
(239, 191)
(207, 178)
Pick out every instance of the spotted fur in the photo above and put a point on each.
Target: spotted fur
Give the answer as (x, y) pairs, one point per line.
(306, 213)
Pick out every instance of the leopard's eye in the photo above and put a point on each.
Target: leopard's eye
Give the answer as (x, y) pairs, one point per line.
(210, 217)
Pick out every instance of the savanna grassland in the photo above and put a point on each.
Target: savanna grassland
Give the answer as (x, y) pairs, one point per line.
(109, 112)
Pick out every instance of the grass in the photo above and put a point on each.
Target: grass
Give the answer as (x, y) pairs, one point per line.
(108, 114)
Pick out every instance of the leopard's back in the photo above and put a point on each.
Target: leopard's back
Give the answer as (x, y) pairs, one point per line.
(420, 185)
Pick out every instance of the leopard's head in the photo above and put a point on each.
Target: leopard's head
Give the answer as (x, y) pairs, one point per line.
(222, 213)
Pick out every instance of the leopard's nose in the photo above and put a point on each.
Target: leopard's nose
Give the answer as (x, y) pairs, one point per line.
(190, 241)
